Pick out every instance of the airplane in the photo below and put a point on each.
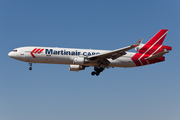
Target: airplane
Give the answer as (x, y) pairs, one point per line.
(78, 59)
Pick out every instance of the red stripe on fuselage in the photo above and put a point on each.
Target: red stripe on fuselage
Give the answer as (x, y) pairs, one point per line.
(135, 59)
(37, 50)
(33, 52)
(40, 51)
(140, 61)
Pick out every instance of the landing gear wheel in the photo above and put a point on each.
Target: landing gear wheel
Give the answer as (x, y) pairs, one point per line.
(30, 64)
(97, 74)
(93, 73)
(97, 71)
(30, 68)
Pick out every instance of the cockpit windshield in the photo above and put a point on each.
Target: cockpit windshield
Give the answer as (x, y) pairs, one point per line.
(14, 50)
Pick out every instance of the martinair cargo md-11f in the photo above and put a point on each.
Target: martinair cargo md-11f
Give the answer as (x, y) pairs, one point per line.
(79, 59)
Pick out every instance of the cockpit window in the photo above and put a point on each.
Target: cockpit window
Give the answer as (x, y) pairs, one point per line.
(14, 50)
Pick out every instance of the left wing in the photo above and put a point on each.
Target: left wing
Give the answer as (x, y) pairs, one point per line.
(116, 53)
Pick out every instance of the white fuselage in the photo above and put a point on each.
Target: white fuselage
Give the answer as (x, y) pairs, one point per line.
(78, 59)
(55, 55)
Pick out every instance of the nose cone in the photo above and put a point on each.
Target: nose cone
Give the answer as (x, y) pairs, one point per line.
(12, 54)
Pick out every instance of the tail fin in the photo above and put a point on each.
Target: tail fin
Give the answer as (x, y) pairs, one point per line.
(154, 45)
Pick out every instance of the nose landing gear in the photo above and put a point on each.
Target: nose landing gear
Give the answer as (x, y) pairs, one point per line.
(30, 64)
(97, 71)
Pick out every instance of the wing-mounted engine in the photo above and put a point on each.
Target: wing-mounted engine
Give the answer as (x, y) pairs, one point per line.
(76, 67)
(80, 61)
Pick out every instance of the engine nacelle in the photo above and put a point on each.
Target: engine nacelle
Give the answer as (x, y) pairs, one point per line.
(139, 47)
(76, 67)
(80, 61)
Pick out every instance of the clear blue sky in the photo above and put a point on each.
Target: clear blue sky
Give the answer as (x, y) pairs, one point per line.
(52, 92)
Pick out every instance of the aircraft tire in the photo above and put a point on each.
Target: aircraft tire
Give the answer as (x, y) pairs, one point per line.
(97, 74)
(93, 73)
(30, 68)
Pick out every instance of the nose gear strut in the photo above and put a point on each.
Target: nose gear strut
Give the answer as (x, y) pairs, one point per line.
(30, 64)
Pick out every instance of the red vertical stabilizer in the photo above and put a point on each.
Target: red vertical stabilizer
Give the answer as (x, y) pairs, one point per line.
(151, 48)
(154, 45)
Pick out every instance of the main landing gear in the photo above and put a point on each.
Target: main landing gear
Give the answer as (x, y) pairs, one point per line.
(30, 64)
(97, 71)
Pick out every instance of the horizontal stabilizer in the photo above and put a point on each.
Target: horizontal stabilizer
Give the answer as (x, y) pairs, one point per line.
(157, 55)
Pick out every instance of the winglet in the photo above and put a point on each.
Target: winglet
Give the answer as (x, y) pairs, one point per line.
(138, 42)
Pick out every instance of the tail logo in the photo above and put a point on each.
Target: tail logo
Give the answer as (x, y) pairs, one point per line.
(36, 51)
(152, 47)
